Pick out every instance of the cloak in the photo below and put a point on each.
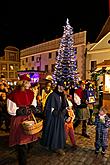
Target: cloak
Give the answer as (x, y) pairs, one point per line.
(53, 135)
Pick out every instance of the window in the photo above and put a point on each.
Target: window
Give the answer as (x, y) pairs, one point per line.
(108, 41)
(52, 67)
(32, 58)
(11, 74)
(3, 67)
(93, 65)
(23, 62)
(16, 67)
(50, 55)
(32, 68)
(5, 74)
(26, 59)
(12, 56)
(11, 67)
(38, 68)
(46, 68)
(38, 59)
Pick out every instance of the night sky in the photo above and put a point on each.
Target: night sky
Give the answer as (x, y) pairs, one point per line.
(26, 23)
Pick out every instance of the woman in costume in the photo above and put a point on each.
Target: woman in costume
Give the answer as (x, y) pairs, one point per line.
(19, 107)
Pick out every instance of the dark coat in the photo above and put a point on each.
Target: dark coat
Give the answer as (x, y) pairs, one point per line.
(53, 135)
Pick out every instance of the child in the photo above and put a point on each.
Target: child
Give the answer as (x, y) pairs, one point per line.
(102, 122)
(69, 129)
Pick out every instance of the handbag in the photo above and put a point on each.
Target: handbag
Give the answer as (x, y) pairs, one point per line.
(32, 126)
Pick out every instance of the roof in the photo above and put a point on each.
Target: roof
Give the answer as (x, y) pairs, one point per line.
(105, 30)
(12, 48)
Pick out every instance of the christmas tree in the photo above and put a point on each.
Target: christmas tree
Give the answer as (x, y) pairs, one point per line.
(66, 63)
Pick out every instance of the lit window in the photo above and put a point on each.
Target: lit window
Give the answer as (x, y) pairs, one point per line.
(4, 67)
(11, 67)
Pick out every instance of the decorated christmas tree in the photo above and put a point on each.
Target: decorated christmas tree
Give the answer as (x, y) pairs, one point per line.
(66, 63)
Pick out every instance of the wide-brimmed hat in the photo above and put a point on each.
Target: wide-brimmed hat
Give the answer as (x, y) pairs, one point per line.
(25, 77)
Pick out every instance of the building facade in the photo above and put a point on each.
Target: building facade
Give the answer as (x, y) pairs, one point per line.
(42, 57)
(10, 63)
(96, 54)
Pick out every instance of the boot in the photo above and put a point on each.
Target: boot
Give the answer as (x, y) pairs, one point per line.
(84, 128)
(22, 154)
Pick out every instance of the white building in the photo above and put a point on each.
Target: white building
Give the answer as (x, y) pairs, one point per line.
(42, 57)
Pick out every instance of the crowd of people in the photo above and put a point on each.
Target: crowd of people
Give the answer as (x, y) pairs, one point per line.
(62, 108)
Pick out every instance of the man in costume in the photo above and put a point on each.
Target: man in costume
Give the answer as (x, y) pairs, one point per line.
(18, 105)
(53, 136)
(81, 108)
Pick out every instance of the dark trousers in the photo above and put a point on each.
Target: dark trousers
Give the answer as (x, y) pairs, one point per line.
(22, 154)
(84, 126)
(90, 119)
(100, 100)
(76, 123)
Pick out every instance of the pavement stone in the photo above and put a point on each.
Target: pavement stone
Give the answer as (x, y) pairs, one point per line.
(83, 155)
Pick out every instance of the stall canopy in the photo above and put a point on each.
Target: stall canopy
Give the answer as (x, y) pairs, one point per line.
(103, 65)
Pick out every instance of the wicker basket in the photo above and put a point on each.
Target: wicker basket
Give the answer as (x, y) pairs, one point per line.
(32, 127)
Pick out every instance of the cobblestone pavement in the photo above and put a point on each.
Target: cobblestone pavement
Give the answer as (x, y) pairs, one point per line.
(83, 155)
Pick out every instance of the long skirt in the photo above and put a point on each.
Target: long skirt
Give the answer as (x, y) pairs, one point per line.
(17, 135)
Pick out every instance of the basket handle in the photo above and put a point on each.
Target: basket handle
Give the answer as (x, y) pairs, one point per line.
(34, 117)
